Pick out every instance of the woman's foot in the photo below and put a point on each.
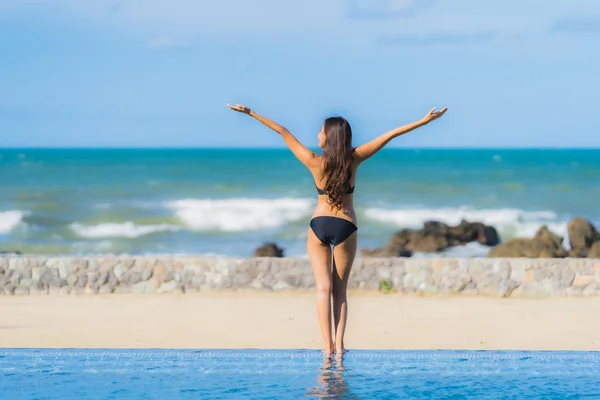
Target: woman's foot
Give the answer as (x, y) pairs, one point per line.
(328, 351)
(340, 351)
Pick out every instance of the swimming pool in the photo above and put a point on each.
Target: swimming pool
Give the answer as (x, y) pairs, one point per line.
(282, 374)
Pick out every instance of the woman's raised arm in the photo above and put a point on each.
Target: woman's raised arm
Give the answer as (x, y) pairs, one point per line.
(369, 149)
(303, 154)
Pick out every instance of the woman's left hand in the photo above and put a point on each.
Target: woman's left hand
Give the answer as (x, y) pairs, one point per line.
(240, 108)
(433, 115)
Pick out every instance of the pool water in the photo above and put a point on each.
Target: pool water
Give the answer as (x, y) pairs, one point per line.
(292, 374)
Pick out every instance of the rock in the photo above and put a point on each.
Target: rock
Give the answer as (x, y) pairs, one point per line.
(582, 233)
(546, 253)
(268, 250)
(55, 281)
(170, 287)
(280, 286)
(91, 290)
(177, 276)
(105, 289)
(112, 279)
(434, 237)
(39, 285)
(583, 280)
(429, 243)
(404, 253)
(545, 244)
(167, 276)
(82, 281)
(26, 283)
(92, 276)
(15, 277)
(119, 271)
(594, 250)
(430, 227)
(72, 280)
(63, 272)
(545, 235)
(77, 291)
(139, 287)
(93, 265)
(578, 253)
(21, 291)
(82, 265)
(152, 284)
(401, 239)
(241, 279)
(134, 277)
(102, 279)
(36, 274)
(122, 289)
(37, 291)
(467, 232)
(159, 270)
(197, 281)
(8, 289)
(146, 274)
(507, 287)
(188, 275)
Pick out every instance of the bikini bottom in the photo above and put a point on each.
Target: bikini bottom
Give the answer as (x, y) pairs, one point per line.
(332, 230)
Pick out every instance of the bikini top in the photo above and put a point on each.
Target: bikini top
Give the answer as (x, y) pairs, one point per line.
(349, 189)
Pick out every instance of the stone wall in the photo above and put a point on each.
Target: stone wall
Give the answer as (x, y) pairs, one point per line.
(523, 277)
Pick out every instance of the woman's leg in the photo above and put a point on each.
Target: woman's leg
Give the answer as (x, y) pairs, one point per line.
(343, 257)
(320, 259)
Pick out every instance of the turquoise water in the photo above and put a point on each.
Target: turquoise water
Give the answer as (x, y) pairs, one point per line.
(228, 202)
(293, 374)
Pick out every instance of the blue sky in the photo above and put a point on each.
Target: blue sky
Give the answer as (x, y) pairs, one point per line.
(514, 73)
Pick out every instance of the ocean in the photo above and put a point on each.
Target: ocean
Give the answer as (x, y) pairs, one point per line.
(227, 202)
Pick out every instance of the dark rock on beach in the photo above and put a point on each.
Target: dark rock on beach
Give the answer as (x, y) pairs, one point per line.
(268, 250)
(468, 232)
(545, 244)
(434, 237)
(578, 253)
(437, 236)
(582, 236)
(594, 250)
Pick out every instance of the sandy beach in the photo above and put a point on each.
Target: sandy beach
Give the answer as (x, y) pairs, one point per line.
(288, 320)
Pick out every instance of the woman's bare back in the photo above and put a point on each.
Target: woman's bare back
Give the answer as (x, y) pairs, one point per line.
(324, 207)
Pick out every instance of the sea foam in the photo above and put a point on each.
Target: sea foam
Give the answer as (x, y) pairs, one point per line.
(124, 229)
(239, 214)
(9, 220)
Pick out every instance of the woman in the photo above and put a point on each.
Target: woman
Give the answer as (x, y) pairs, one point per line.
(332, 235)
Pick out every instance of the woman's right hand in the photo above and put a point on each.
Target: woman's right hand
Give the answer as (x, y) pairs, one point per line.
(240, 108)
(433, 115)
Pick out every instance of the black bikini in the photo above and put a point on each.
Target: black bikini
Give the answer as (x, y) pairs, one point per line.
(333, 230)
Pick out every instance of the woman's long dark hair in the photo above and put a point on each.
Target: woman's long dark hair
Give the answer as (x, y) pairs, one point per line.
(338, 155)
